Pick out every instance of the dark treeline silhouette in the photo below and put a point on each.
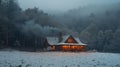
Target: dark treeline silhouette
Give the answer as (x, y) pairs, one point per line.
(24, 29)
(98, 26)
(27, 29)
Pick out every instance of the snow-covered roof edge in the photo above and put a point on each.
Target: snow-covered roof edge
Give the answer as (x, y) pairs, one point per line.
(55, 40)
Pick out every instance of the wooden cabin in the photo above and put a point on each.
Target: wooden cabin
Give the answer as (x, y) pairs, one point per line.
(64, 43)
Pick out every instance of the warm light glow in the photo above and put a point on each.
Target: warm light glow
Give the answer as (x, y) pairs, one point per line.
(72, 48)
(70, 40)
(65, 47)
(53, 47)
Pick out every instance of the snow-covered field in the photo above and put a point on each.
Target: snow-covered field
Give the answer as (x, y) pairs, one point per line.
(58, 59)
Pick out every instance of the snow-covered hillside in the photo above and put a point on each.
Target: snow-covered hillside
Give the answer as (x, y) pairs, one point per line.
(58, 59)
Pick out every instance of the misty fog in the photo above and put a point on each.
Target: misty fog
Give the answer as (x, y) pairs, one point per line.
(95, 22)
(62, 5)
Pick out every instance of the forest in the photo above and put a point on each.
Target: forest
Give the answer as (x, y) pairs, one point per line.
(97, 26)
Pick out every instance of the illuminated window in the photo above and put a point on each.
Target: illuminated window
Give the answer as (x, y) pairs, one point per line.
(53, 47)
(70, 40)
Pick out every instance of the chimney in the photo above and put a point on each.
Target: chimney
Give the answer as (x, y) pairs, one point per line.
(60, 37)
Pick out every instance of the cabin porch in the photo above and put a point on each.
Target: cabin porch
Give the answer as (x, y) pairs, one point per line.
(68, 47)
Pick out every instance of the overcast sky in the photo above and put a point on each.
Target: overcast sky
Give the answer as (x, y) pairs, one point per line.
(60, 5)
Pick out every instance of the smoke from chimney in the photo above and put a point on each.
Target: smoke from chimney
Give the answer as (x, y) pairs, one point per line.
(60, 37)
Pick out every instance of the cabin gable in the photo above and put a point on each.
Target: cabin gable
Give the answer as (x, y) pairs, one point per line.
(71, 40)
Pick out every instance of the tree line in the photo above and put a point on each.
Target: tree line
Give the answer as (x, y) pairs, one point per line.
(24, 29)
(99, 28)
(27, 29)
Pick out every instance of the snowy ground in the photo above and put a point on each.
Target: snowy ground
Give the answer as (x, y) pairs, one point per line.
(58, 59)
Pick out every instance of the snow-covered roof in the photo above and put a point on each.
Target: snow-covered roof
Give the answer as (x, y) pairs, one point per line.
(64, 38)
(78, 40)
(55, 40)
(70, 44)
(52, 40)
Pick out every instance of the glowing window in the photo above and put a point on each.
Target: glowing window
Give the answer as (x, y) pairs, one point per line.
(70, 40)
